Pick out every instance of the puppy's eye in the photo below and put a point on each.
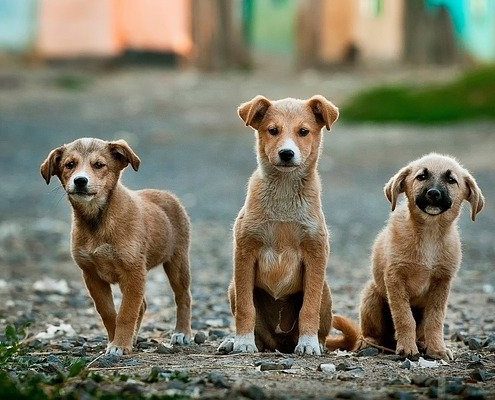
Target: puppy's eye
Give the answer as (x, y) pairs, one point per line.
(273, 130)
(422, 177)
(303, 132)
(70, 165)
(98, 165)
(451, 180)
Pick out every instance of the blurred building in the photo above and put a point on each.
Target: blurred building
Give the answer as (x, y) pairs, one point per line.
(215, 34)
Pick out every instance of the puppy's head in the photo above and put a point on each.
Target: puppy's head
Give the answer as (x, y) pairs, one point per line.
(89, 168)
(288, 130)
(436, 185)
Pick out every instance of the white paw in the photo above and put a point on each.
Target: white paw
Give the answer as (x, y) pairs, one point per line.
(114, 350)
(308, 345)
(244, 344)
(226, 346)
(179, 338)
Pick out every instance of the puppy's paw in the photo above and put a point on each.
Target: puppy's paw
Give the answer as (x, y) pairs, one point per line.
(180, 339)
(443, 354)
(308, 344)
(407, 349)
(115, 350)
(227, 346)
(245, 344)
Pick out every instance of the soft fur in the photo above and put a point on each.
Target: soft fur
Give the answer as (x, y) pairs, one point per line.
(119, 234)
(279, 295)
(414, 260)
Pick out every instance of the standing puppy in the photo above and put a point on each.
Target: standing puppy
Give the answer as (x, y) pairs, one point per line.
(119, 234)
(279, 295)
(414, 261)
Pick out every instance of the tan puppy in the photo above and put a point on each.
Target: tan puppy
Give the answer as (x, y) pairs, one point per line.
(278, 295)
(414, 261)
(119, 234)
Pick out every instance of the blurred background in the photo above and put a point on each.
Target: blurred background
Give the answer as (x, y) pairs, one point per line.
(409, 76)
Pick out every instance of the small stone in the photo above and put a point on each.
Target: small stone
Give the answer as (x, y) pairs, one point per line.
(481, 375)
(107, 361)
(252, 392)
(407, 364)
(474, 393)
(491, 347)
(145, 345)
(327, 368)
(218, 333)
(343, 366)
(368, 352)
(474, 343)
(489, 340)
(166, 349)
(200, 337)
(219, 380)
(419, 380)
(269, 365)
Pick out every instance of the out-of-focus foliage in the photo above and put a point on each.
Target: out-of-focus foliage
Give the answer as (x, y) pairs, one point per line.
(472, 96)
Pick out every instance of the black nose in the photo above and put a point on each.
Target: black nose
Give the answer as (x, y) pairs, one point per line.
(286, 155)
(433, 194)
(81, 181)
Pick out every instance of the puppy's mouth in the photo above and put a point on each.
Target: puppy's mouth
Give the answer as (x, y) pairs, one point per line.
(82, 194)
(433, 207)
(286, 167)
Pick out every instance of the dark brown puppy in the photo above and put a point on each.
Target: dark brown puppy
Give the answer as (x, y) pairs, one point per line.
(414, 261)
(119, 234)
(279, 295)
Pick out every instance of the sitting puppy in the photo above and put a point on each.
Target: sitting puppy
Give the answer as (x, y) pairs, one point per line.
(119, 234)
(278, 295)
(414, 261)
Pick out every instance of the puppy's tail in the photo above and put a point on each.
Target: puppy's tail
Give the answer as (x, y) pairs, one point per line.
(350, 334)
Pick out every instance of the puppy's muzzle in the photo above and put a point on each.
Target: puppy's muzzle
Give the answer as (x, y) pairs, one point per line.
(286, 155)
(434, 201)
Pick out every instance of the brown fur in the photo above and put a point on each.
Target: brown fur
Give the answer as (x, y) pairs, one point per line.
(414, 260)
(119, 234)
(279, 294)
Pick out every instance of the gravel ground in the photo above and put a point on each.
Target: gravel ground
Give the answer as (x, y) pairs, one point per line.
(185, 129)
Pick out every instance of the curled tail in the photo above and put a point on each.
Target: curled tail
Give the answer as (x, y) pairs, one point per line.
(350, 334)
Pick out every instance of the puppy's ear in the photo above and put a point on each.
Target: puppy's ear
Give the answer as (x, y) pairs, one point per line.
(123, 153)
(395, 186)
(253, 112)
(326, 113)
(51, 166)
(473, 195)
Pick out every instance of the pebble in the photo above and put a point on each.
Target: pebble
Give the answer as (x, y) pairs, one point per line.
(219, 380)
(166, 349)
(327, 368)
(269, 365)
(343, 366)
(106, 361)
(145, 345)
(474, 343)
(481, 375)
(368, 352)
(200, 337)
(407, 364)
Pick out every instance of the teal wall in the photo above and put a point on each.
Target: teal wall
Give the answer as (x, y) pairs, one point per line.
(18, 22)
(474, 22)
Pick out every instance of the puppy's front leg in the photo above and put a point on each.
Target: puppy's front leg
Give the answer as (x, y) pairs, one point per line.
(434, 316)
(402, 316)
(101, 293)
(315, 255)
(245, 313)
(132, 287)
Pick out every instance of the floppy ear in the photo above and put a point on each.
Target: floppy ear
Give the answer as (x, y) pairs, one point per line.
(51, 166)
(123, 153)
(473, 195)
(326, 113)
(395, 186)
(253, 112)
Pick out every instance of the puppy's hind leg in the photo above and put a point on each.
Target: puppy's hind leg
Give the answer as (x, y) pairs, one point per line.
(177, 270)
(375, 319)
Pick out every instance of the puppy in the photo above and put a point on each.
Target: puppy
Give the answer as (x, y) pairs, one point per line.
(414, 260)
(119, 234)
(278, 294)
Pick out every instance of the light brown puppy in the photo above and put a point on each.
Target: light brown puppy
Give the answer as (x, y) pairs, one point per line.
(279, 295)
(119, 234)
(414, 260)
